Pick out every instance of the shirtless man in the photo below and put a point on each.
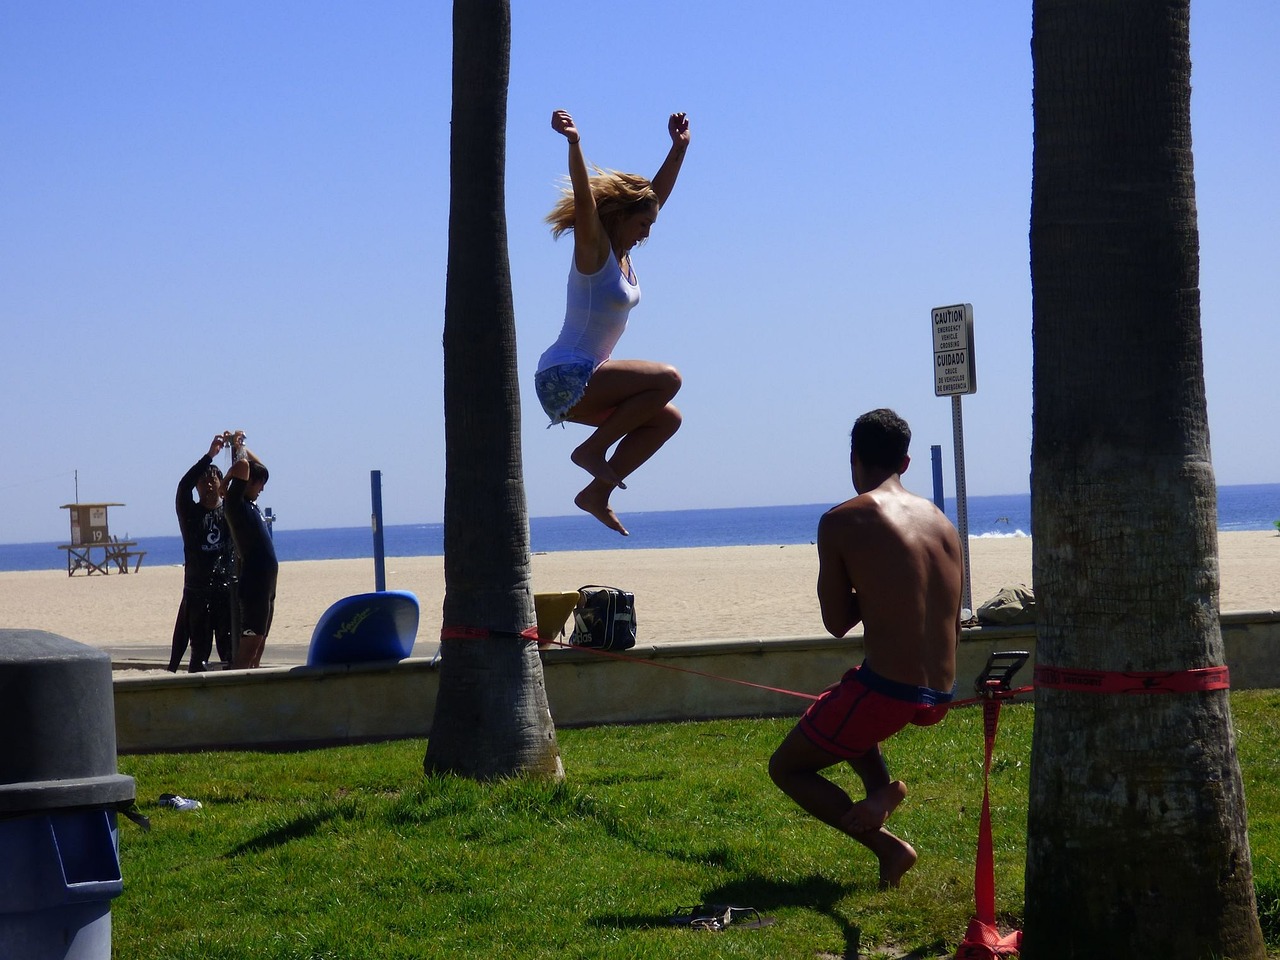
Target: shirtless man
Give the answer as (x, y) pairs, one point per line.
(892, 561)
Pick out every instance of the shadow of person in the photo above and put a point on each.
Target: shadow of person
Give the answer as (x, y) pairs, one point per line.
(817, 893)
(813, 893)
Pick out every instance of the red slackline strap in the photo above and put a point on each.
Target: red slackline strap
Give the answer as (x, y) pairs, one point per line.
(480, 633)
(984, 873)
(983, 940)
(969, 701)
(696, 673)
(1133, 681)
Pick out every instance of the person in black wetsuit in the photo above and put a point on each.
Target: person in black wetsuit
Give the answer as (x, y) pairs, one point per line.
(255, 553)
(205, 611)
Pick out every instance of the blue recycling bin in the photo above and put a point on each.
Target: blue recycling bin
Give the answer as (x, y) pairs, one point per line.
(59, 792)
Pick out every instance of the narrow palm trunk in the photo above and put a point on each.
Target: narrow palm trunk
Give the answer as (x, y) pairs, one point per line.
(491, 716)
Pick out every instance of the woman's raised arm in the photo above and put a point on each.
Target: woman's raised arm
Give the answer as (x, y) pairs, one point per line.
(590, 243)
(664, 181)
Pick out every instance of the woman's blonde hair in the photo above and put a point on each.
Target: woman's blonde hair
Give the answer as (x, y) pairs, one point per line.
(617, 195)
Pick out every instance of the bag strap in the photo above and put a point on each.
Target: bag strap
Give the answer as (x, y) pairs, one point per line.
(600, 586)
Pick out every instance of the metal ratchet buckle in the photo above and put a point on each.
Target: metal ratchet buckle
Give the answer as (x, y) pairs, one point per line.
(1000, 668)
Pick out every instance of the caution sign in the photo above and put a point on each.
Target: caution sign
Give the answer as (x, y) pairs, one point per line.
(953, 370)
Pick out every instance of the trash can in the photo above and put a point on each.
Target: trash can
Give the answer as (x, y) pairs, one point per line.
(59, 792)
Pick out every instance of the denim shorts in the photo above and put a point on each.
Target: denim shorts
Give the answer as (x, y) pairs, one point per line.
(561, 387)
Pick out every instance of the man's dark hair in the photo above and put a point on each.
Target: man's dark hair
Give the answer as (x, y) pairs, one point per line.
(258, 471)
(214, 470)
(880, 439)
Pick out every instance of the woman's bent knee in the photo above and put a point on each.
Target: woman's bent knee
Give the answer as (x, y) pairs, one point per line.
(665, 378)
(673, 378)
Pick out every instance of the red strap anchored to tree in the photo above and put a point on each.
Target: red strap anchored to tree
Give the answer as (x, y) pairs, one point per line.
(482, 633)
(1133, 681)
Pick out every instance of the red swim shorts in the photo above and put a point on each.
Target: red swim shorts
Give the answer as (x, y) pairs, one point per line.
(865, 709)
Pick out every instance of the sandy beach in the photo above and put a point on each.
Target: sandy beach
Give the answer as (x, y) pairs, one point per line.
(681, 594)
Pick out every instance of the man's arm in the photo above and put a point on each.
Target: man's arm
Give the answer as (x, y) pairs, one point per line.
(189, 479)
(664, 181)
(241, 457)
(837, 599)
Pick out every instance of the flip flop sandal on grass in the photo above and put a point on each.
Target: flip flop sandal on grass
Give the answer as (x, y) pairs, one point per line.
(717, 917)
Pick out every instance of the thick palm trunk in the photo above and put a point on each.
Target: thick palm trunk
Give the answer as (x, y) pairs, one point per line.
(1136, 834)
(491, 716)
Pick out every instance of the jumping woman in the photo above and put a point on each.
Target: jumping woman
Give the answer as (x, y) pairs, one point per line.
(628, 402)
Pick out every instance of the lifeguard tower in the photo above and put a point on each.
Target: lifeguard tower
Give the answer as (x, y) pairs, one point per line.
(89, 533)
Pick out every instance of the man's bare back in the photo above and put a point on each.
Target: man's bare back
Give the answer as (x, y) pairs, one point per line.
(892, 560)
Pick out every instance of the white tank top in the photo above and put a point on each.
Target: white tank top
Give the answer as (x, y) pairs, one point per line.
(596, 315)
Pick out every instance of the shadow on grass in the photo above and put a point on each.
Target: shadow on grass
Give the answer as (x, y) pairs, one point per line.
(304, 826)
(812, 893)
(816, 893)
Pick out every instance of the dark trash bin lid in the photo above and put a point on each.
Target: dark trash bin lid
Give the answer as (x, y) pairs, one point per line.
(57, 716)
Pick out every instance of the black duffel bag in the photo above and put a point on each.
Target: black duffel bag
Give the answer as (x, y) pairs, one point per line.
(605, 618)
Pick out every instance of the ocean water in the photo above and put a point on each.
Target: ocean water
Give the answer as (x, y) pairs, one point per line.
(1243, 507)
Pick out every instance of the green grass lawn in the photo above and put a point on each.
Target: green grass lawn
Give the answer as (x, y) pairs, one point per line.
(351, 853)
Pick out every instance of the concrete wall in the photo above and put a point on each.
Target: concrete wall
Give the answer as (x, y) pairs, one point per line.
(292, 707)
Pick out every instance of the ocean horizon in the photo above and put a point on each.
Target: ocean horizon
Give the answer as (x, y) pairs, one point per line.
(1240, 507)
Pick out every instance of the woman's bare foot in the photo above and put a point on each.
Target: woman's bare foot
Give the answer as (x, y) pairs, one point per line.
(895, 861)
(596, 465)
(594, 499)
(871, 813)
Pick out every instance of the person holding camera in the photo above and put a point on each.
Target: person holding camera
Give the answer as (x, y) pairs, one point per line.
(255, 552)
(205, 611)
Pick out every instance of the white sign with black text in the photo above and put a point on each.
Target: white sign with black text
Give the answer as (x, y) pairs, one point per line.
(953, 368)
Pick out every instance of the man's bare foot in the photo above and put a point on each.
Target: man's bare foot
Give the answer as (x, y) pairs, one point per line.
(895, 862)
(597, 466)
(597, 504)
(871, 813)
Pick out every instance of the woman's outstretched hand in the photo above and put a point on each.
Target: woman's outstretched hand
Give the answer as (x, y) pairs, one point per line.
(678, 127)
(563, 124)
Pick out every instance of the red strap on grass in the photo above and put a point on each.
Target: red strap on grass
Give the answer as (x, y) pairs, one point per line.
(983, 940)
(984, 872)
(1133, 681)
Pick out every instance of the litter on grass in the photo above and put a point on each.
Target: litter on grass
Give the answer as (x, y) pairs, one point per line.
(717, 917)
(179, 803)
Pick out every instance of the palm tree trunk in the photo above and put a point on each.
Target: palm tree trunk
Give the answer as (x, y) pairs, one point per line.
(491, 716)
(1137, 840)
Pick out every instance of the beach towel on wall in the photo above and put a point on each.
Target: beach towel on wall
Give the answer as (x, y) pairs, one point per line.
(605, 618)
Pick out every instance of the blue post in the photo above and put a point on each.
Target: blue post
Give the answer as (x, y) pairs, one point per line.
(379, 555)
(938, 498)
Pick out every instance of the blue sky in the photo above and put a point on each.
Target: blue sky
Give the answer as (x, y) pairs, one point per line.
(233, 215)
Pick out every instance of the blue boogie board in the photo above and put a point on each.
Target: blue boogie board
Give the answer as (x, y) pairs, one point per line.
(366, 627)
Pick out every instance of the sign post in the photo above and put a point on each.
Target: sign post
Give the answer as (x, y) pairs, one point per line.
(954, 375)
